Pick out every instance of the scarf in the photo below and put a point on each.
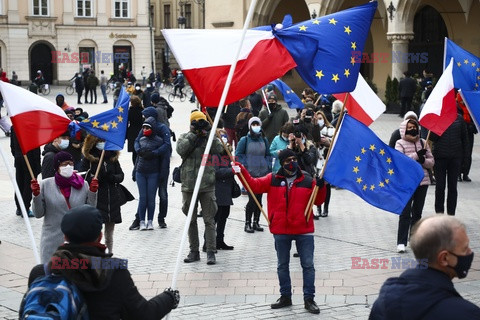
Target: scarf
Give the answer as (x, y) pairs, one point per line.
(64, 184)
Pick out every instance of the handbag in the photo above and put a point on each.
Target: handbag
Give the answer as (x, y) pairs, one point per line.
(123, 194)
(236, 192)
(177, 173)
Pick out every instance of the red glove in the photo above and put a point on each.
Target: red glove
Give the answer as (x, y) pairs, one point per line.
(35, 187)
(94, 185)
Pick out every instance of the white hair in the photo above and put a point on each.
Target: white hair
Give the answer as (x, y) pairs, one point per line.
(337, 106)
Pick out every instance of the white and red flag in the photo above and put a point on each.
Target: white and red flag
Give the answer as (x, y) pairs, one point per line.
(36, 120)
(440, 109)
(205, 57)
(363, 103)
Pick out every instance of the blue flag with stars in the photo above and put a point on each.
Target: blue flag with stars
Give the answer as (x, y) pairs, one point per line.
(466, 67)
(291, 98)
(472, 102)
(362, 163)
(323, 48)
(110, 125)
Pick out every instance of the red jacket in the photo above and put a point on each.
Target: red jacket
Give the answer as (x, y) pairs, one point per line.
(286, 209)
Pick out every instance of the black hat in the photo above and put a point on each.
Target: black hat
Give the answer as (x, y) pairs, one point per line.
(272, 97)
(155, 98)
(60, 157)
(284, 154)
(82, 224)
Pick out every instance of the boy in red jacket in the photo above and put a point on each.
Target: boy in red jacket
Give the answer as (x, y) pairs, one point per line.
(288, 192)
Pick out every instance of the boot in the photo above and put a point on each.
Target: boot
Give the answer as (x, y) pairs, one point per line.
(204, 248)
(248, 227)
(135, 225)
(256, 226)
(223, 246)
(283, 302)
(311, 306)
(192, 257)
(211, 258)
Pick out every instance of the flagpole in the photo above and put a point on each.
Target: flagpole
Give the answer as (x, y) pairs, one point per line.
(244, 181)
(428, 137)
(22, 205)
(29, 166)
(99, 164)
(266, 101)
(209, 143)
(311, 201)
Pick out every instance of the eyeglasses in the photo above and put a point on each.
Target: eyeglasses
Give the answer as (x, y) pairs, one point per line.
(292, 159)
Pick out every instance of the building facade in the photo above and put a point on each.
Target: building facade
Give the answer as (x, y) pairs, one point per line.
(61, 37)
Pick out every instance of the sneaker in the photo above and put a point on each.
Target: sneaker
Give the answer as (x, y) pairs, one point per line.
(401, 248)
(162, 225)
(311, 306)
(143, 226)
(30, 214)
(18, 213)
(150, 225)
(211, 258)
(135, 225)
(282, 302)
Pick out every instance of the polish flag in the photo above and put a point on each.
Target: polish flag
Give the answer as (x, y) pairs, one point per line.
(440, 109)
(363, 103)
(36, 120)
(205, 57)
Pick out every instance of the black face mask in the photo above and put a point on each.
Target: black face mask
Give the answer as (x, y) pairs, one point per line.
(291, 167)
(272, 106)
(413, 132)
(463, 265)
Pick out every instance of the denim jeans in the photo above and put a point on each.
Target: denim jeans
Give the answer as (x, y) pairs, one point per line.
(305, 248)
(103, 87)
(147, 190)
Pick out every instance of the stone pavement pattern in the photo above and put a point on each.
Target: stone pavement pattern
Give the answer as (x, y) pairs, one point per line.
(243, 282)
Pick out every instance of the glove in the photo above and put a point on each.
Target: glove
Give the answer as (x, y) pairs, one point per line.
(94, 185)
(35, 187)
(175, 294)
(421, 159)
(320, 182)
(148, 155)
(199, 141)
(236, 168)
(174, 137)
(141, 152)
(422, 152)
(270, 115)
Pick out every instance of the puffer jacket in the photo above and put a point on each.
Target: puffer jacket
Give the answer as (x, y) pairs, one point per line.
(152, 143)
(286, 207)
(191, 149)
(109, 176)
(160, 129)
(410, 148)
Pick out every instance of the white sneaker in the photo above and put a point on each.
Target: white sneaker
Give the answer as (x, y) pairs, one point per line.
(150, 225)
(143, 227)
(400, 247)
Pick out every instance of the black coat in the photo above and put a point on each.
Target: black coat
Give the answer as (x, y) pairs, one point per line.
(223, 179)
(422, 294)
(135, 121)
(453, 142)
(49, 152)
(407, 87)
(32, 155)
(110, 294)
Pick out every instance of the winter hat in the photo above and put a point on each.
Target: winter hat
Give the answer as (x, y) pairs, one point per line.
(82, 224)
(254, 119)
(60, 157)
(155, 98)
(272, 97)
(284, 154)
(197, 116)
(410, 115)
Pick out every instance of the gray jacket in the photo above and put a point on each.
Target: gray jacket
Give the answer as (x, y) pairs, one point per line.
(51, 205)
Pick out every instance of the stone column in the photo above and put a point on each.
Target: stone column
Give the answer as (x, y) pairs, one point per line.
(399, 53)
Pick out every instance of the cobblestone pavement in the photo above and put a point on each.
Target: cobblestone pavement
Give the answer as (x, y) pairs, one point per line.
(243, 282)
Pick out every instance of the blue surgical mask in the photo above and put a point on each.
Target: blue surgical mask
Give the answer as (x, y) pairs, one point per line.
(100, 145)
(256, 129)
(64, 144)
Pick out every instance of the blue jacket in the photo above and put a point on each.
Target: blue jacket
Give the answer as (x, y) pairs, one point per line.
(153, 143)
(257, 165)
(277, 144)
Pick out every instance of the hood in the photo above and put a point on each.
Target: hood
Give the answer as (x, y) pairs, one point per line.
(150, 112)
(49, 148)
(60, 95)
(403, 128)
(89, 279)
(92, 154)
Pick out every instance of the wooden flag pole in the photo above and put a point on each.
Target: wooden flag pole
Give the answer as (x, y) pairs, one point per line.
(311, 201)
(29, 167)
(428, 137)
(99, 164)
(244, 181)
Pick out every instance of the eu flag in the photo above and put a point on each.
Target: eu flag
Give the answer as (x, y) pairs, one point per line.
(472, 102)
(362, 163)
(466, 68)
(291, 98)
(110, 125)
(323, 48)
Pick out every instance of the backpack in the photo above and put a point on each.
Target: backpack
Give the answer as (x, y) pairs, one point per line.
(53, 297)
(163, 102)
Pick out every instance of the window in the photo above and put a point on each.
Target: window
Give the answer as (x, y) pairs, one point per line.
(121, 9)
(167, 22)
(84, 8)
(188, 16)
(40, 7)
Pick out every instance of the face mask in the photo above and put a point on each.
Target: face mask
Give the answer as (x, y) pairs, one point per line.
(79, 76)
(63, 144)
(256, 129)
(147, 132)
(304, 140)
(463, 265)
(137, 88)
(321, 123)
(413, 132)
(100, 145)
(291, 167)
(224, 139)
(285, 139)
(66, 171)
(148, 85)
(272, 105)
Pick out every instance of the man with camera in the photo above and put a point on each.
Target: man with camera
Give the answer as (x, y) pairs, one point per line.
(191, 147)
(273, 118)
(303, 148)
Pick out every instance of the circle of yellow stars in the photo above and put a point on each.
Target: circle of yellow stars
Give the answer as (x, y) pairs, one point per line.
(109, 124)
(335, 77)
(356, 169)
(472, 64)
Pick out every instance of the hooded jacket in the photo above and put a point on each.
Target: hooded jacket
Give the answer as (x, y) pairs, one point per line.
(153, 143)
(422, 294)
(110, 294)
(161, 129)
(109, 176)
(49, 151)
(286, 207)
(409, 147)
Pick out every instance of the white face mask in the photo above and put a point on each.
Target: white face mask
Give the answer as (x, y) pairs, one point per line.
(100, 145)
(148, 85)
(66, 171)
(321, 123)
(303, 140)
(137, 88)
(225, 140)
(256, 129)
(64, 144)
